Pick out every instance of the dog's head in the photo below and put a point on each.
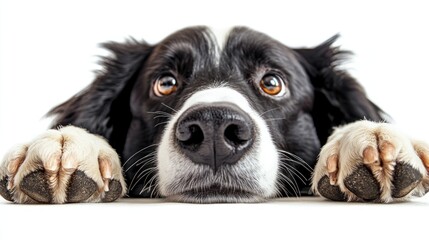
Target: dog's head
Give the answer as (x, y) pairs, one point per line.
(203, 122)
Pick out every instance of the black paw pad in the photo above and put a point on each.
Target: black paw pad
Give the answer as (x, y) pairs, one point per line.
(405, 179)
(363, 184)
(115, 190)
(329, 191)
(80, 188)
(3, 190)
(35, 185)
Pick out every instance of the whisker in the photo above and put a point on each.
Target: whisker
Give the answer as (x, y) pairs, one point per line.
(296, 159)
(294, 172)
(172, 109)
(288, 158)
(274, 119)
(290, 183)
(152, 160)
(303, 164)
(155, 191)
(161, 116)
(280, 187)
(140, 171)
(273, 109)
(138, 161)
(161, 113)
(161, 123)
(294, 183)
(139, 151)
(142, 168)
(299, 175)
(142, 175)
(285, 164)
(145, 187)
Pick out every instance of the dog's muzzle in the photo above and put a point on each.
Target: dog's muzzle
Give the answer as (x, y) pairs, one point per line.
(217, 148)
(214, 134)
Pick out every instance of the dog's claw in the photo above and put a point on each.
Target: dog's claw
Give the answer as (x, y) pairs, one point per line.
(332, 166)
(106, 184)
(106, 172)
(9, 185)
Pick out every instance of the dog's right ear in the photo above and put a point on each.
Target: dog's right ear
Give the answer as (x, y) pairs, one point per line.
(338, 98)
(103, 107)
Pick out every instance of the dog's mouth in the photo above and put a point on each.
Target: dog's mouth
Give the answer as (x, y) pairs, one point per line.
(217, 194)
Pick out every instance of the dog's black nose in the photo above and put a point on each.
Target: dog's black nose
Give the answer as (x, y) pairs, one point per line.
(215, 134)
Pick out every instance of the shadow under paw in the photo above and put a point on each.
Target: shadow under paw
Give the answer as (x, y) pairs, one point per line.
(329, 191)
(405, 179)
(35, 185)
(80, 188)
(363, 184)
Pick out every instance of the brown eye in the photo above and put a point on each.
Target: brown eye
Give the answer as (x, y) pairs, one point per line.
(165, 86)
(272, 85)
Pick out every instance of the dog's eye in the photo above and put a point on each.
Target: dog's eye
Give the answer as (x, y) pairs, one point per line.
(272, 85)
(165, 86)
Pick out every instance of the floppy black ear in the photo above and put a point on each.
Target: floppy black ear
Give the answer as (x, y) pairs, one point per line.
(103, 107)
(339, 98)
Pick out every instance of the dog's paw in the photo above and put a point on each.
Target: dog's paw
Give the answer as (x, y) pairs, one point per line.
(62, 166)
(368, 161)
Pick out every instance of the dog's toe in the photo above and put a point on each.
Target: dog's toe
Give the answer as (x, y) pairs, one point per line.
(81, 187)
(35, 185)
(405, 179)
(363, 184)
(329, 191)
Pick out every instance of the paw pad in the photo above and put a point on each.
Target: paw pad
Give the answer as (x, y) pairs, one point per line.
(3, 190)
(115, 190)
(36, 187)
(329, 191)
(363, 184)
(81, 187)
(405, 179)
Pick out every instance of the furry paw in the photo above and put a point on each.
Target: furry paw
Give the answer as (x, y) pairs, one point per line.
(368, 161)
(62, 166)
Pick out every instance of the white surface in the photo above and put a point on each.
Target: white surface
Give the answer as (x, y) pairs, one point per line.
(48, 51)
(305, 218)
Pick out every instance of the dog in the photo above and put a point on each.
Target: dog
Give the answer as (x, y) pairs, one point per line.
(196, 121)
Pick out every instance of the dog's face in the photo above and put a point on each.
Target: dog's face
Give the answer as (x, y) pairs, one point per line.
(222, 122)
(197, 121)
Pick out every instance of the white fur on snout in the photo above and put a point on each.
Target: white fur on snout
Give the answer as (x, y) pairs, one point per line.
(261, 161)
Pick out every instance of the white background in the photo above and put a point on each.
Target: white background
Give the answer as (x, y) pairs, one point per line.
(48, 50)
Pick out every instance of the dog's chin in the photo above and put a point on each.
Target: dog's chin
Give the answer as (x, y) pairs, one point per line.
(216, 194)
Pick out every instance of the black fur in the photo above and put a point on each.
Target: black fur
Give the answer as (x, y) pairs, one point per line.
(120, 104)
(338, 97)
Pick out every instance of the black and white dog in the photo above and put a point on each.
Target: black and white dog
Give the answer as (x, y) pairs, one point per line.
(193, 121)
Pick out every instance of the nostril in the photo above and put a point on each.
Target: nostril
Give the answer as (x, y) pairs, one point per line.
(214, 134)
(237, 135)
(190, 134)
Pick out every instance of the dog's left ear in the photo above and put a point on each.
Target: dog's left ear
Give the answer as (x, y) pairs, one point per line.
(339, 98)
(103, 107)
